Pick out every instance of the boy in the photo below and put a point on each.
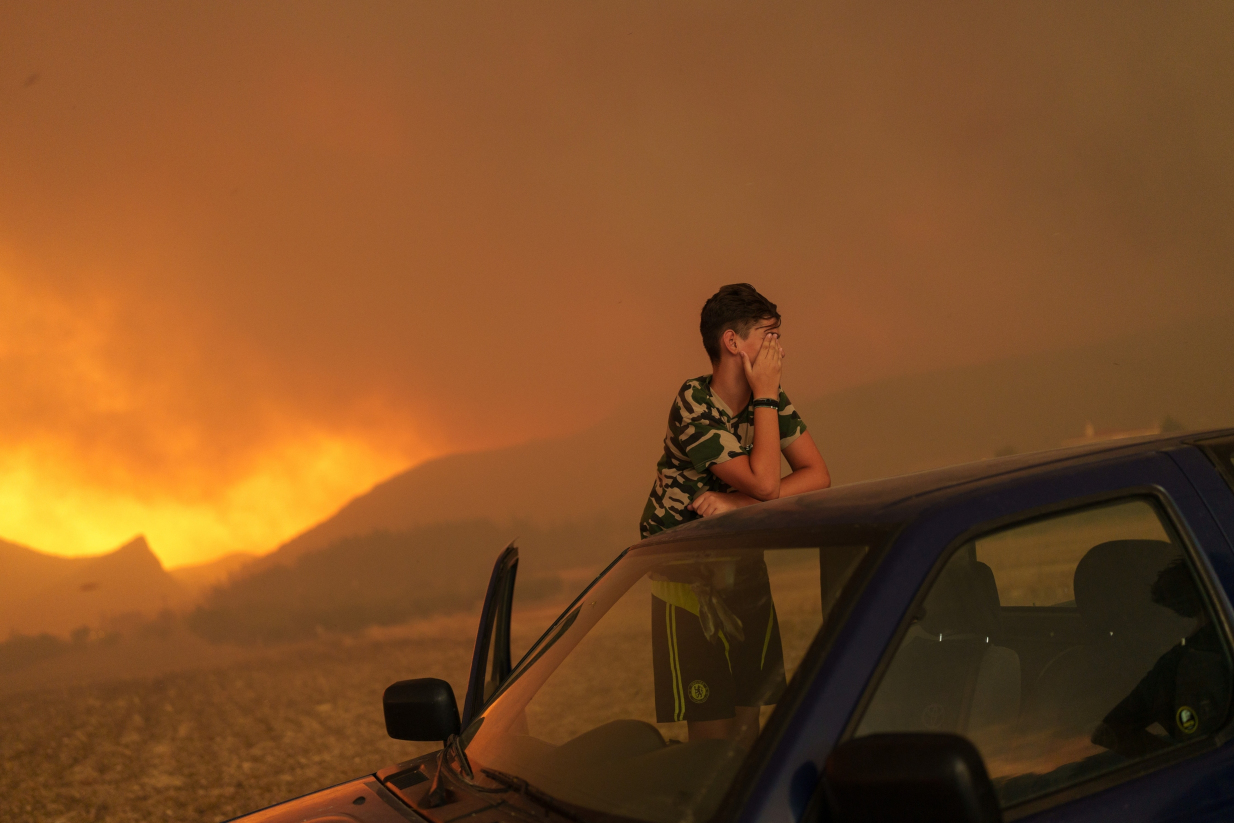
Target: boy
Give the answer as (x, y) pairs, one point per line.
(726, 433)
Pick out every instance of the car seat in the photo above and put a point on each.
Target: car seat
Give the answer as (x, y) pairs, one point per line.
(949, 674)
(1126, 632)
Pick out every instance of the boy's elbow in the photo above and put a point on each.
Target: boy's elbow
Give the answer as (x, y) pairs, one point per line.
(766, 491)
(818, 477)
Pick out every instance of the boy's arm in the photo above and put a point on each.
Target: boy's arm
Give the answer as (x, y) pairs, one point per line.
(809, 469)
(809, 473)
(758, 475)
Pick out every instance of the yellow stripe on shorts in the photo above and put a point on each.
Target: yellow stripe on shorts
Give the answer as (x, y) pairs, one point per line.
(679, 699)
(679, 594)
(771, 620)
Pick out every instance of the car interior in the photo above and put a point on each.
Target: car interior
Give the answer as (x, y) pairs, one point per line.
(1031, 684)
(952, 671)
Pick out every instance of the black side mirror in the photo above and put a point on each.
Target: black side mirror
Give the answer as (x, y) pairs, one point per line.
(908, 777)
(422, 709)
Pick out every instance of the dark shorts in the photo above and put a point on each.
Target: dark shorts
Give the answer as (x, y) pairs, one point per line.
(699, 680)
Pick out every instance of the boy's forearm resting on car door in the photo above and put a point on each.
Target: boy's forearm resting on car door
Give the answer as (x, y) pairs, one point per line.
(809, 469)
(809, 473)
(756, 475)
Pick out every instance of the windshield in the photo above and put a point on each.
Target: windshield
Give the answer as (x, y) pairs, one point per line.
(644, 698)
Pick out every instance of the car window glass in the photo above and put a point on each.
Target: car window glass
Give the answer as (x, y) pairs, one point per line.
(497, 659)
(490, 680)
(1064, 648)
(1034, 564)
(647, 705)
(587, 691)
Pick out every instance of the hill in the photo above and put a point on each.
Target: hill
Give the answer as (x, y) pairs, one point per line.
(422, 541)
(198, 578)
(377, 579)
(44, 593)
(24, 570)
(596, 481)
(592, 482)
(1029, 403)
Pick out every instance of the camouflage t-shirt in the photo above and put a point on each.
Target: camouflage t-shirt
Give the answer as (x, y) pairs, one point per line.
(703, 431)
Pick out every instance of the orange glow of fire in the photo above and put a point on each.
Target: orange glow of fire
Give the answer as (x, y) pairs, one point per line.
(48, 505)
(109, 429)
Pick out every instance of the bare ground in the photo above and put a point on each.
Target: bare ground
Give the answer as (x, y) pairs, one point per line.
(206, 744)
(190, 732)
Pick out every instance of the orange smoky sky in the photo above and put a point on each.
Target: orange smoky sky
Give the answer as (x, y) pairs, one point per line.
(256, 257)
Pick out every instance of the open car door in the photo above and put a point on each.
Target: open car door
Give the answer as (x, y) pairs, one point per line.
(490, 662)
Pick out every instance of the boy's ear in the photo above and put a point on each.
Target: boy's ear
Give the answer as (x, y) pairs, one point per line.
(729, 341)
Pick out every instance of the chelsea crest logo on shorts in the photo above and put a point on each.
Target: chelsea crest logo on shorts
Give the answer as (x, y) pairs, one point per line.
(1187, 720)
(699, 692)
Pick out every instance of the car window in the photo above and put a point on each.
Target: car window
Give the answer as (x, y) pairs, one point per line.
(1063, 647)
(646, 703)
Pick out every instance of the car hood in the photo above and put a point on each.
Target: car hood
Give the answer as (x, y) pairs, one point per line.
(363, 800)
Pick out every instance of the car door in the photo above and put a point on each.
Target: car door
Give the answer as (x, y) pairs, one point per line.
(1209, 463)
(491, 657)
(1022, 616)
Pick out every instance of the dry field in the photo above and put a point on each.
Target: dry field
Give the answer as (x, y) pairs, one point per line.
(1034, 564)
(212, 743)
(242, 729)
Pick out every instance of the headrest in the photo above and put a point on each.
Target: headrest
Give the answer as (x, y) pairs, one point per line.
(1113, 584)
(964, 600)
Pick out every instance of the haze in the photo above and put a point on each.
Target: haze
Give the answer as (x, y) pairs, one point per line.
(255, 259)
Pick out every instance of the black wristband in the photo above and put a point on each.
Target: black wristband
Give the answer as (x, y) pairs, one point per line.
(766, 403)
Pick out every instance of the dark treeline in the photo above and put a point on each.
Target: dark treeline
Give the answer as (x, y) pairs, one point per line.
(386, 578)
(20, 650)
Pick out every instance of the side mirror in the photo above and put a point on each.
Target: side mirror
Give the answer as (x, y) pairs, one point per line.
(422, 709)
(908, 777)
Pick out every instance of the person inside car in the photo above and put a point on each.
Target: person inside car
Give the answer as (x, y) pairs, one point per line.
(715, 642)
(1186, 691)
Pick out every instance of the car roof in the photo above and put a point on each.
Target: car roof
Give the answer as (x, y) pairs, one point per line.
(896, 499)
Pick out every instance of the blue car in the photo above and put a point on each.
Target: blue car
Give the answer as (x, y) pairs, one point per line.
(1041, 637)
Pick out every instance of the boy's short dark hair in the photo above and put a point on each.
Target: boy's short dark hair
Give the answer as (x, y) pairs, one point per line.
(737, 306)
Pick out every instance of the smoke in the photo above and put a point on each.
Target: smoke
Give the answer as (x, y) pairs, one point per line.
(251, 261)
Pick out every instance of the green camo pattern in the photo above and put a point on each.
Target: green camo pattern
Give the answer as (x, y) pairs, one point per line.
(702, 432)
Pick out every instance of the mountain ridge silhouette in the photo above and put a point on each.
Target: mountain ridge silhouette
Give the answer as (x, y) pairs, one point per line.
(101, 592)
(891, 426)
(576, 500)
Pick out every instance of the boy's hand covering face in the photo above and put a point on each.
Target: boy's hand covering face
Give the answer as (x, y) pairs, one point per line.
(764, 373)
